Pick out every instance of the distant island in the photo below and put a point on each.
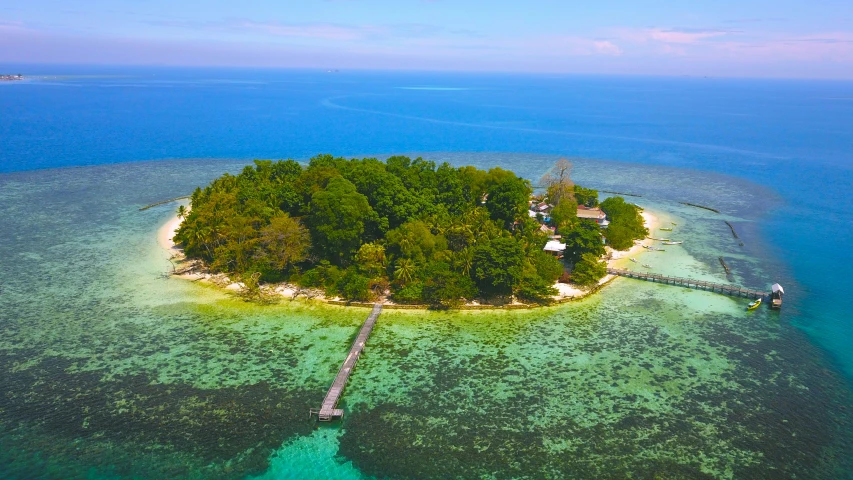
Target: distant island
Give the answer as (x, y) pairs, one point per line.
(405, 231)
(11, 78)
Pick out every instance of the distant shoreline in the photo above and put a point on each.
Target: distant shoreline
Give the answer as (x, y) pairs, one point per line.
(12, 78)
(188, 271)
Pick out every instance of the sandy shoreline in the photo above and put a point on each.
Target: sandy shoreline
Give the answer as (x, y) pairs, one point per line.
(166, 234)
(567, 292)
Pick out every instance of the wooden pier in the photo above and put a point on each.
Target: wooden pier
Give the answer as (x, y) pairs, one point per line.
(328, 411)
(689, 283)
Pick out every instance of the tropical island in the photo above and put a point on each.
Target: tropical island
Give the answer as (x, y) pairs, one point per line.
(11, 78)
(405, 231)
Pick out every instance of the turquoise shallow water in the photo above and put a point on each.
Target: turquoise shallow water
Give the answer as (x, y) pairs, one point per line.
(114, 370)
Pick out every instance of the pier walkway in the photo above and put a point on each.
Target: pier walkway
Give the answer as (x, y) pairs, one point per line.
(686, 282)
(327, 411)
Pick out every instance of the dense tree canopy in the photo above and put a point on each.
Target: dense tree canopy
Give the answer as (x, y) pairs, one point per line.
(584, 238)
(626, 223)
(498, 265)
(588, 270)
(507, 200)
(586, 196)
(430, 233)
(339, 218)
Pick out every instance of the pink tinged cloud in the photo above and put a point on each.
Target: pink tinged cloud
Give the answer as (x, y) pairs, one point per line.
(681, 36)
(562, 45)
(656, 51)
(606, 47)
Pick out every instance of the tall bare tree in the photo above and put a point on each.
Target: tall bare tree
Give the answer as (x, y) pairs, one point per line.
(558, 182)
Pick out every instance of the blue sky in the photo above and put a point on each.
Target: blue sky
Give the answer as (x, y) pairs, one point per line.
(781, 38)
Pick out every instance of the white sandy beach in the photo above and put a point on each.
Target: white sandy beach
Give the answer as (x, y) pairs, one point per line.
(167, 233)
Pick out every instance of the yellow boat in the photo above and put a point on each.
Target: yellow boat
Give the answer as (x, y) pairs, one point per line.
(754, 305)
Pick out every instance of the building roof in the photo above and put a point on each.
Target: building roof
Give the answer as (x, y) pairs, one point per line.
(593, 213)
(531, 213)
(777, 288)
(554, 246)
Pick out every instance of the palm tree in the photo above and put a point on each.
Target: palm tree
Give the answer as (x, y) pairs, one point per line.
(465, 260)
(202, 236)
(405, 270)
(182, 211)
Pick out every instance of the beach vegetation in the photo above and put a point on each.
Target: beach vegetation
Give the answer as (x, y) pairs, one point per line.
(626, 223)
(497, 266)
(586, 196)
(564, 215)
(584, 238)
(588, 270)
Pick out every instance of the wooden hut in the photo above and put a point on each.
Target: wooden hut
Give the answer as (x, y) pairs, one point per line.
(776, 294)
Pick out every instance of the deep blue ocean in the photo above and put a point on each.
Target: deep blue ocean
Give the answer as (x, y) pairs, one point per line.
(794, 137)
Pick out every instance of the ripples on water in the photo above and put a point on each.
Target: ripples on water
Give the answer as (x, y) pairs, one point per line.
(113, 371)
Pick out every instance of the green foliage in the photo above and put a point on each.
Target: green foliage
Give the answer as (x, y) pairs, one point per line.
(282, 243)
(545, 266)
(534, 288)
(497, 266)
(540, 273)
(507, 200)
(619, 237)
(312, 278)
(588, 270)
(586, 196)
(353, 286)
(626, 223)
(415, 240)
(411, 293)
(564, 215)
(444, 288)
(432, 234)
(405, 271)
(386, 193)
(371, 259)
(584, 238)
(339, 215)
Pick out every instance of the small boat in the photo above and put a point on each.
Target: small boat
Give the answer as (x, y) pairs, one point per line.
(647, 265)
(666, 229)
(633, 260)
(754, 305)
(673, 223)
(672, 243)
